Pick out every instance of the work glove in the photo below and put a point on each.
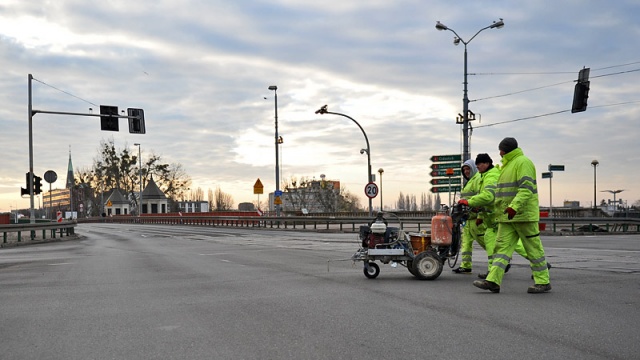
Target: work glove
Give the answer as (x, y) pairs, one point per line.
(463, 202)
(511, 213)
(478, 222)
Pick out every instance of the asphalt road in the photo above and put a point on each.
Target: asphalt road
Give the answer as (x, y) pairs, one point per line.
(175, 292)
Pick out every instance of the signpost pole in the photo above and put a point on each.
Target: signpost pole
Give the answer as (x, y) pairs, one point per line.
(550, 197)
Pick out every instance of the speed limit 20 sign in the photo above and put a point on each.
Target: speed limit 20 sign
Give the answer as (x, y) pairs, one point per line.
(371, 190)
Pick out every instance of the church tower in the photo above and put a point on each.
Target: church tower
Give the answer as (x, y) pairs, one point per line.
(70, 179)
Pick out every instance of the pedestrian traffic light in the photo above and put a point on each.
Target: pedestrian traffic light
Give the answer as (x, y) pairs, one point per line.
(109, 118)
(136, 125)
(37, 185)
(580, 96)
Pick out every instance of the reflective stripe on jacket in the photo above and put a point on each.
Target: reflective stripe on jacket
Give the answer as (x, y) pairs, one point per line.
(517, 188)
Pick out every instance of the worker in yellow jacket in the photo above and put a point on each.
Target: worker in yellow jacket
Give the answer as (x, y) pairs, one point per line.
(518, 214)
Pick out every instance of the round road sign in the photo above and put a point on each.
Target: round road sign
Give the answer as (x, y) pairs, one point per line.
(371, 190)
(50, 176)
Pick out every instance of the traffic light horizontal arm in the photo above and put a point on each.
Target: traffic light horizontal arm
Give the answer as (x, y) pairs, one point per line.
(33, 112)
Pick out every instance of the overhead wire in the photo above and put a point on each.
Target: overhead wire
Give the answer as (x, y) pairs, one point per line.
(551, 85)
(65, 92)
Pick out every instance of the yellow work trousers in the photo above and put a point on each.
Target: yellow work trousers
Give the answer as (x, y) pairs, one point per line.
(507, 240)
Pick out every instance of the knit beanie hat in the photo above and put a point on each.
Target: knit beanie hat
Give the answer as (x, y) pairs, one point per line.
(484, 159)
(508, 144)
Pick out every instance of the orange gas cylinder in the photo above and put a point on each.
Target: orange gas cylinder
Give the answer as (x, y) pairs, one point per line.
(441, 230)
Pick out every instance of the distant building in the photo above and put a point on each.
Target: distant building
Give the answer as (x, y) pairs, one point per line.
(117, 204)
(193, 206)
(154, 201)
(571, 204)
(246, 206)
(315, 196)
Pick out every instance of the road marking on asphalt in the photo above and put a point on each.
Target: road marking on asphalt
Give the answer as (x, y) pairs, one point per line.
(56, 264)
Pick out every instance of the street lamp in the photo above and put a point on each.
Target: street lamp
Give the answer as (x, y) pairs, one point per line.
(380, 171)
(594, 163)
(323, 110)
(465, 100)
(274, 88)
(140, 176)
(614, 192)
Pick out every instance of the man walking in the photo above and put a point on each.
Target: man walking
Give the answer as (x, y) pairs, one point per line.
(518, 215)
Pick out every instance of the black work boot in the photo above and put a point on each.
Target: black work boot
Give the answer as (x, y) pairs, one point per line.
(462, 271)
(487, 285)
(483, 275)
(539, 288)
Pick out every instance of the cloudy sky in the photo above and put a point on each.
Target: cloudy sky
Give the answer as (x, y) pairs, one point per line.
(201, 71)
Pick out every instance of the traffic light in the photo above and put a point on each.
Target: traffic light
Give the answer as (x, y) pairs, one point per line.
(581, 91)
(26, 191)
(580, 96)
(37, 185)
(109, 122)
(136, 126)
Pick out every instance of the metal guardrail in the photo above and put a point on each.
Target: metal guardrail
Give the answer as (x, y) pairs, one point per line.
(572, 225)
(10, 231)
(352, 224)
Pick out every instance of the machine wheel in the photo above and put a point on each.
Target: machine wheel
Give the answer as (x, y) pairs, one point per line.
(427, 266)
(410, 267)
(371, 270)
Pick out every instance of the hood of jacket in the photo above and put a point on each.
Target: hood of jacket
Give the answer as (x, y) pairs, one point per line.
(472, 165)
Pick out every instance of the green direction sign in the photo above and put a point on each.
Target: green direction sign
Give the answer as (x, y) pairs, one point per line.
(442, 189)
(556, 167)
(443, 172)
(445, 181)
(448, 165)
(441, 158)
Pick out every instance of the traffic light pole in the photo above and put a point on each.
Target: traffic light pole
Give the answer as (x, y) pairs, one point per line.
(32, 213)
(32, 217)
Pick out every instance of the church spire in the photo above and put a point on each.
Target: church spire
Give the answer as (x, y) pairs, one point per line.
(70, 179)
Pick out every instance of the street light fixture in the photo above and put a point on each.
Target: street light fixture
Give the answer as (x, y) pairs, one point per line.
(465, 100)
(274, 88)
(323, 110)
(595, 164)
(614, 192)
(380, 171)
(140, 176)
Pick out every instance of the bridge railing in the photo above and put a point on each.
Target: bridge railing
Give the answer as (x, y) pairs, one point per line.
(33, 232)
(352, 224)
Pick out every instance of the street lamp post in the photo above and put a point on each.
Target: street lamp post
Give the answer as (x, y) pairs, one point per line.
(380, 171)
(274, 88)
(323, 110)
(140, 176)
(280, 142)
(465, 99)
(594, 163)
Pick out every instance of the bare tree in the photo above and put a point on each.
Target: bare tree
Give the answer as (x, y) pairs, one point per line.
(118, 169)
(210, 199)
(223, 200)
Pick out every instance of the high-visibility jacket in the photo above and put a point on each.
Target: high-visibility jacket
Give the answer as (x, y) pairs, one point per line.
(485, 198)
(472, 187)
(517, 188)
